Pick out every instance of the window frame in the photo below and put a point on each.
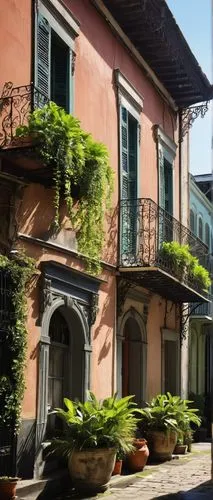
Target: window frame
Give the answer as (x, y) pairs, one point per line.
(66, 27)
(200, 219)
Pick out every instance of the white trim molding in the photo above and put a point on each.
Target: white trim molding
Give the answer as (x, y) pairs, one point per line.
(165, 140)
(128, 93)
(58, 10)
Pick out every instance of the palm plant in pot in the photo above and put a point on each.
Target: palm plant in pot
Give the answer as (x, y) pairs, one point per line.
(160, 426)
(186, 416)
(94, 432)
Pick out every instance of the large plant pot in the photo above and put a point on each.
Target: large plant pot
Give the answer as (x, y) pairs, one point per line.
(136, 460)
(91, 470)
(8, 489)
(161, 444)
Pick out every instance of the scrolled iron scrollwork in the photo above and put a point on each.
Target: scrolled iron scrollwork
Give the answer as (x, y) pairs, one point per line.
(16, 104)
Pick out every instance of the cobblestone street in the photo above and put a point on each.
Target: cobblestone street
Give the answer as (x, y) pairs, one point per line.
(186, 478)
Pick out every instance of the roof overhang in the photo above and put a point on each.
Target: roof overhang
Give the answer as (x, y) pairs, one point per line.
(152, 29)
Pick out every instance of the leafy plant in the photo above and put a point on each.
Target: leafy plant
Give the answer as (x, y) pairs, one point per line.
(17, 273)
(96, 424)
(182, 261)
(159, 415)
(76, 160)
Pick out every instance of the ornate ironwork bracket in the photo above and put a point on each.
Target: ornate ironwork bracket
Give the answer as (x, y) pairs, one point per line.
(93, 309)
(189, 115)
(185, 312)
(123, 288)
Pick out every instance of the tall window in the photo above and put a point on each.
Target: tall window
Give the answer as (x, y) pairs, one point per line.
(192, 221)
(53, 60)
(200, 228)
(130, 107)
(59, 345)
(207, 235)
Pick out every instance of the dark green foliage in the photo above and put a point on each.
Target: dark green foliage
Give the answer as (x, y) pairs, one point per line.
(182, 261)
(76, 160)
(19, 271)
(166, 412)
(94, 424)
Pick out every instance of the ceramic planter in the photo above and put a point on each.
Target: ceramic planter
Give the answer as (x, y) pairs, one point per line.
(136, 460)
(117, 468)
(161, 444)
(91, 469)
(8, 489)
(180, 449)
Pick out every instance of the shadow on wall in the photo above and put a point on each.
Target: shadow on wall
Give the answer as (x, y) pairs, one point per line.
(26, 449)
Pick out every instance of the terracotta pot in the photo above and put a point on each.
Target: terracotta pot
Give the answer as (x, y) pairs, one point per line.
(8, 489)
(180, 449)
(118, 467)
(91, 470)
(162, 444)
(136, 461)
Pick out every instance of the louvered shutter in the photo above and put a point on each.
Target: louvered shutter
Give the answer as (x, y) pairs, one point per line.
(161, 181)
(161, 222)
(42, 76)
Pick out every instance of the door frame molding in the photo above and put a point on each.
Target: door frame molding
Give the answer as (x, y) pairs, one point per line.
(172, 336)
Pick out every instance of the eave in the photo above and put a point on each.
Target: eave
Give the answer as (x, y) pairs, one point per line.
(153, 31)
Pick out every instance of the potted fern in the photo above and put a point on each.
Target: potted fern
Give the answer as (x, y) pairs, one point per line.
(94, 432)
(160, 425)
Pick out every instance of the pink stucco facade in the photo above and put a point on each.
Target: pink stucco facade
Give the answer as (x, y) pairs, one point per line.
(98, 54)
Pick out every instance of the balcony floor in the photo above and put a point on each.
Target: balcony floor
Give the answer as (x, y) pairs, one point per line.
(160, 282)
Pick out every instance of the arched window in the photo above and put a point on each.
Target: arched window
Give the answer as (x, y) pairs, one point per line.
(192, 220)
(59, 342)
(200, 228)
(207, 235)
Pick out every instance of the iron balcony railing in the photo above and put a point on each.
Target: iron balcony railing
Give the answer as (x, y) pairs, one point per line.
(203, 310)
(144, 227)
(16, 103)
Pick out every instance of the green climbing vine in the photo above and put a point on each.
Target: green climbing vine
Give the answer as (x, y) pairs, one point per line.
(76, 161)
(15, 274)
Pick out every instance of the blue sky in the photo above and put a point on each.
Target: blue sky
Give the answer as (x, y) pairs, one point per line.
(194, 19)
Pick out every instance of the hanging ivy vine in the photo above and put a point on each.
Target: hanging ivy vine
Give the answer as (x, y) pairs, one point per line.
(76, 161)
(15, 275)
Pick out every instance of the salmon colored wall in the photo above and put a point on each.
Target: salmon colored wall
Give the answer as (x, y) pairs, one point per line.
(15, 42)
(102, 373)
(99, 53)
(155, 322)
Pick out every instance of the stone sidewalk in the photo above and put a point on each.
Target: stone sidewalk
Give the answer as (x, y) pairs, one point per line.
(183, 478)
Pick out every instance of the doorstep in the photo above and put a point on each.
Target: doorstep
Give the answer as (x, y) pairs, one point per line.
(35, 487)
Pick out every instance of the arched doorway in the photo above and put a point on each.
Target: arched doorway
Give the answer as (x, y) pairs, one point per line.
(66, 362)
(133, 357)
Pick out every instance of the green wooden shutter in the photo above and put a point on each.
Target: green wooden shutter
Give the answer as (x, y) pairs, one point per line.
(161, 181)
(124, 154)
(129, 159)
(42, 70)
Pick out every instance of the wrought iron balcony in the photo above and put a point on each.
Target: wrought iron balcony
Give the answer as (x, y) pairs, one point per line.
(16, 104)
(203, 312)
(144, 227)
